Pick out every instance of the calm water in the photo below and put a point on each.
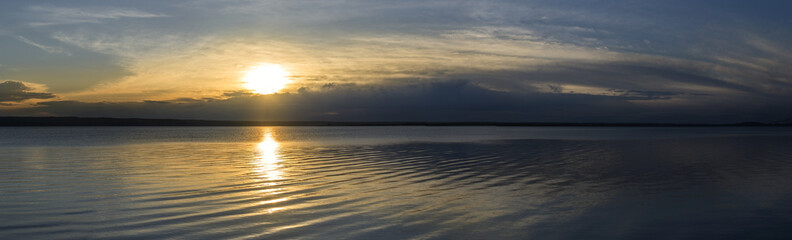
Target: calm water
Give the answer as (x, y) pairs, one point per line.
(395, 183)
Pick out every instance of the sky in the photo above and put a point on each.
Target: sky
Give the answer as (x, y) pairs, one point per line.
(668, 61)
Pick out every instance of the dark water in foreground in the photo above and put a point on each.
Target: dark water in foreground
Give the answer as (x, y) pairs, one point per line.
(395, 183)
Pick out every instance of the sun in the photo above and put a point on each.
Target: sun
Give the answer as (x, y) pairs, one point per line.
(266, 78)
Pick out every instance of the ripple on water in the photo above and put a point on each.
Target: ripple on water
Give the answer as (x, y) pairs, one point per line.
(492, 189)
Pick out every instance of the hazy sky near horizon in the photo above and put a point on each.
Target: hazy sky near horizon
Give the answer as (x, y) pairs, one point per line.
(559, 60)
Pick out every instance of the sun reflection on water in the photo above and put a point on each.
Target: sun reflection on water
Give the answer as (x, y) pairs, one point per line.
(268, 168)
(267, 161)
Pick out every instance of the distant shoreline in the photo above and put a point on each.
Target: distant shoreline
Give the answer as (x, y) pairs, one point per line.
(80, 121)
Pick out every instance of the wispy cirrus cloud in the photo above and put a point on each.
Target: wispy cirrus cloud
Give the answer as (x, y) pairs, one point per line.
(61, 15)
(49, 49)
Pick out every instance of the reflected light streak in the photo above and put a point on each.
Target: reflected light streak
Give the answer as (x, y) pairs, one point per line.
(268, 159)
(267, 166)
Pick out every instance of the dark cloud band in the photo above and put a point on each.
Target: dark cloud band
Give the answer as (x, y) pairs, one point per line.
(13, 91)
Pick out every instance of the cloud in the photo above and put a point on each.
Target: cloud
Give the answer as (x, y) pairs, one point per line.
(453, 100)
(61, 15)
(653, 55)
(15, 91)
(163, 62)
(45, 48)
(511, 75)
(506, 45)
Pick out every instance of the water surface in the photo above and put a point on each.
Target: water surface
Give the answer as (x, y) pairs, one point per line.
(395, 183)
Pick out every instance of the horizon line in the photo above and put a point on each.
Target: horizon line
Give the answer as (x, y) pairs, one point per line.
(10, 121)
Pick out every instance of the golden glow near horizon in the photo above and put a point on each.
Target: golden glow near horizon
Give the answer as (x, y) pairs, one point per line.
(266, 78)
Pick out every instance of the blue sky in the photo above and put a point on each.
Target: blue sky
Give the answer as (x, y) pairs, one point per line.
(572, 61)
